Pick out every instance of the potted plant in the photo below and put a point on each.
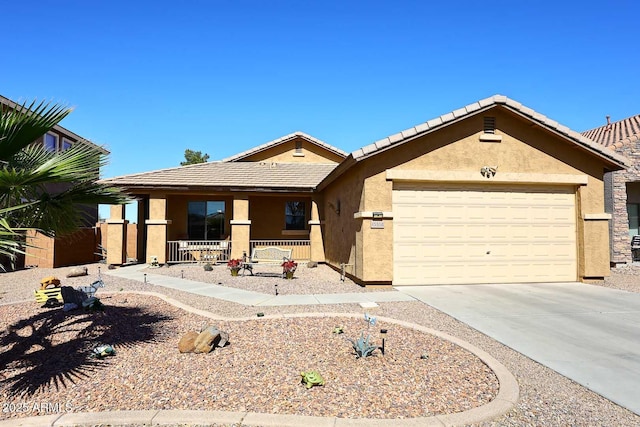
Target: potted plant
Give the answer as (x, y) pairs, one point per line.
(234, 265)
(288, 268)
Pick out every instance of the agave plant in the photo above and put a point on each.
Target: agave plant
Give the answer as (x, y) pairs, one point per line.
(362, 346)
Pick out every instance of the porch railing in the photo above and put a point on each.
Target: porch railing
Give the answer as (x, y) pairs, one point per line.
(182, 251)
(300, 249)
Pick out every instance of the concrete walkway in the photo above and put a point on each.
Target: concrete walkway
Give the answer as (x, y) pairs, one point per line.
(241, 296)
(587, 333)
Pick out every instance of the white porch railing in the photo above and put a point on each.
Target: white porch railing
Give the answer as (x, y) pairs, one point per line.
(300, 249)
(181, 251)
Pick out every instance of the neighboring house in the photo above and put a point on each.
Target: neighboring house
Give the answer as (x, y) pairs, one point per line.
(490, 193)
(71, 250)
(622, 188)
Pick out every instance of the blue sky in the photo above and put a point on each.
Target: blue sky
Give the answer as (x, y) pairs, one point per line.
(151, 79)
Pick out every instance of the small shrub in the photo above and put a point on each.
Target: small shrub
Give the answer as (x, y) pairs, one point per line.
(362, 346)
(208, 267)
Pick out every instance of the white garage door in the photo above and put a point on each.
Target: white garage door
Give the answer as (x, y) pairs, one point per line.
(506, 234)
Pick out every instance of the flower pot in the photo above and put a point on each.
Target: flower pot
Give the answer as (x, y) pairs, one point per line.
(234, 272)
(289, 275)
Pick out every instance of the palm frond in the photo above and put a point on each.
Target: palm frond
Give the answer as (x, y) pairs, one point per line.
(24, 124)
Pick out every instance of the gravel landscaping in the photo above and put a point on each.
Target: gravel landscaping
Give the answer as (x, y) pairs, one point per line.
(149, 372)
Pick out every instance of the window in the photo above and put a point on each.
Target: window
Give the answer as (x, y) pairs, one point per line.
(298, 146)
(632, 212)
(294, 214)
(51, 142)
(206, 220)
(66, 144)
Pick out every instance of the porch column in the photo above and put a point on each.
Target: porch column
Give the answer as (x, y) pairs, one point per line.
(117, 236)
(240, 227)
(315, 234)
(157, 229)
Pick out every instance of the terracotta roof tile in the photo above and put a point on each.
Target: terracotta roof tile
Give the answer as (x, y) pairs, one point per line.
(241, 175)
(616, 134)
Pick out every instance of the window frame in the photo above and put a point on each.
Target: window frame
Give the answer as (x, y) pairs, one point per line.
(633, 231)
(206, 227)
(297, 213)
(63, 142)
(55, 144)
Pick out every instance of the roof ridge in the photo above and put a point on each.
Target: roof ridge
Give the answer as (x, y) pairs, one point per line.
(281, 140)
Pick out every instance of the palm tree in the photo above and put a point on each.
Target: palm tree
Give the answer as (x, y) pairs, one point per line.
(40, 189)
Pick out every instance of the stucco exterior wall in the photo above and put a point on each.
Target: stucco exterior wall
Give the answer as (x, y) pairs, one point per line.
(285, 153)
(343, 240)
(524, 149)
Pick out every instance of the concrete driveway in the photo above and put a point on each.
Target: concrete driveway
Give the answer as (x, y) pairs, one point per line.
(588, 333)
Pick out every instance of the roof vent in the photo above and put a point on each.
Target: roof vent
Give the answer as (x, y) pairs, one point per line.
(608, 123)
(273, 165)
(490, 125)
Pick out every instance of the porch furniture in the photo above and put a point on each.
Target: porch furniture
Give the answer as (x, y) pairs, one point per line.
(265, 256)
(635, 247)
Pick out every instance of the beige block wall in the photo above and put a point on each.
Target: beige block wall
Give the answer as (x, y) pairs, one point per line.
(285, 153)
(524, 149)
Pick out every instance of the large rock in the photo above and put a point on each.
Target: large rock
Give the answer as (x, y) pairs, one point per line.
(209, 338)
(187, 342)
(77, 271)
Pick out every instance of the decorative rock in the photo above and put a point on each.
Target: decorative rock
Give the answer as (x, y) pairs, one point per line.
(204, 342)
(187, 342)
(312, 264)
(77, 271)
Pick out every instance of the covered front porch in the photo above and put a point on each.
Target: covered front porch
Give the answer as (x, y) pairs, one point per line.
(217, 226)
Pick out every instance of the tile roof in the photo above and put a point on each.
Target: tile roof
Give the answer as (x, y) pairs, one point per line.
(477, 107)
(615, 135)
(231, 175)
(60, 129)
(282, 140)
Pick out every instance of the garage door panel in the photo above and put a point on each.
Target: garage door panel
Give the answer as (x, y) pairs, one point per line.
(475, 235)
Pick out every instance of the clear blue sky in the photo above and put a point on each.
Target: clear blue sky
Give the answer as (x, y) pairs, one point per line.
(149, 79)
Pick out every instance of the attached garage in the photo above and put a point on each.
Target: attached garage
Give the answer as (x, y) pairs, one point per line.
(494, 233)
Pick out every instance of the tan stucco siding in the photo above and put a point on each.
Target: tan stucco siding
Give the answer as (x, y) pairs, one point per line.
(286, 153)
(343, 234)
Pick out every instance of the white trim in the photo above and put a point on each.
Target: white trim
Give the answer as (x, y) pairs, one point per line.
(157, 221)
(475, 177)
(240, 222)
(597, 217)
(298, 154)
(315, 222)
(369, 215)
